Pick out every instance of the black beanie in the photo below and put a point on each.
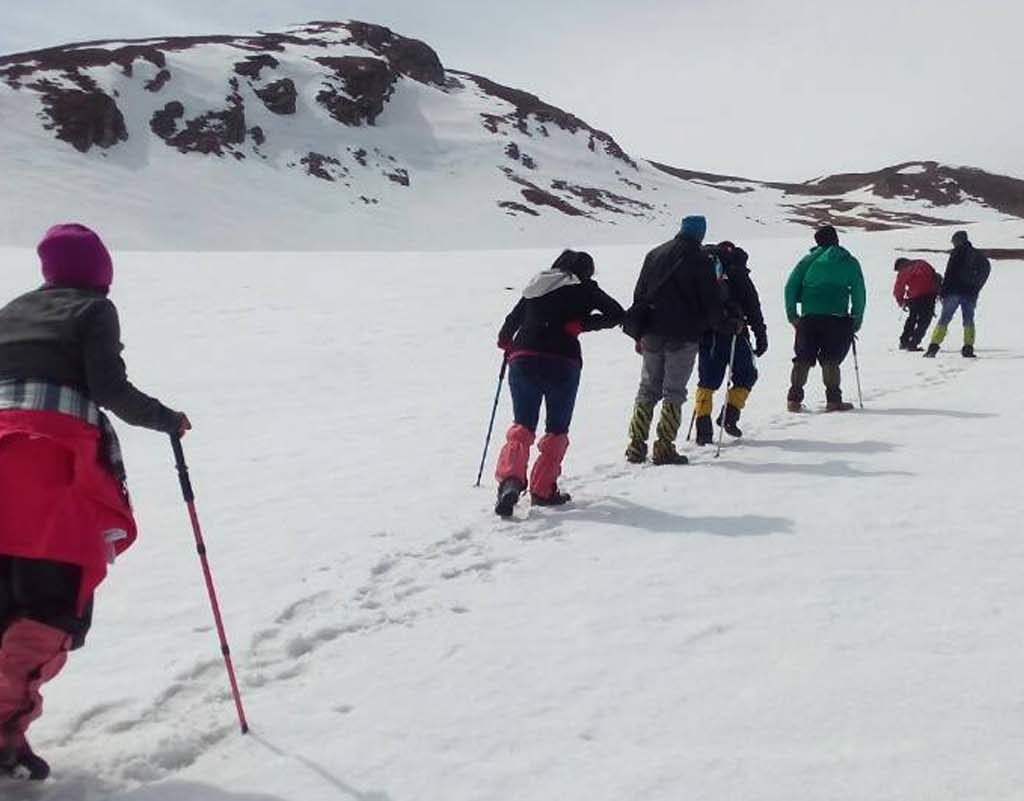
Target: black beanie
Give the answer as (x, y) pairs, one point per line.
(575, 262)
(901, 263)
(826, 236)
(584, 266)
(960, 238)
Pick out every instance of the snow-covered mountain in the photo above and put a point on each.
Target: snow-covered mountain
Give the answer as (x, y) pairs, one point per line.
(345, 135)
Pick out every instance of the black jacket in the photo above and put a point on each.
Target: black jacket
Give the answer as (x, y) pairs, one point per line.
(72, 337)
(742, 300)
(538, 321)
(960, 266)
(678, 280)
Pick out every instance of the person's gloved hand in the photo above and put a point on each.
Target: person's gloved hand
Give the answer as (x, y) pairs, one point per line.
(573, 328)
(184, 424)
(857, 323)
(504, 344)
(638, 346)
(760, 343)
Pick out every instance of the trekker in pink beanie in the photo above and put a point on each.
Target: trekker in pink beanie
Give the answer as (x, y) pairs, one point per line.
(64, 510)
(74, 256)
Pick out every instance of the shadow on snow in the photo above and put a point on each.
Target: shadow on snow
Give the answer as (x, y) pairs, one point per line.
(950, 413)
(834, 468)
(615, 510)
(821, 446)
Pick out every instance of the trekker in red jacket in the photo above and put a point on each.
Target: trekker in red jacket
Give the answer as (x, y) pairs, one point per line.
(917, 286)
(64, 509)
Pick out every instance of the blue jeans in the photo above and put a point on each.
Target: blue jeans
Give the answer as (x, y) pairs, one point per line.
(966, 304)
(551, 379)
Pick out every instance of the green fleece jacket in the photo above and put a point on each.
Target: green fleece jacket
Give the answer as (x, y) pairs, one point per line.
(827, 281)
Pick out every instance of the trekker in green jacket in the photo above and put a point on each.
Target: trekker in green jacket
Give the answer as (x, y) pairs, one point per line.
(828, 285)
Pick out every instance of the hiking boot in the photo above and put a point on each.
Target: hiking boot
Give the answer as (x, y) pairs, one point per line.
(557, 498)
(22, 762)
(636, 452)
(838, 406)
(705, 430)
(794, 406)
(968, 352)
(508, 495)
(933, 349)
(728, 419)
(914, 348)
(666, 453)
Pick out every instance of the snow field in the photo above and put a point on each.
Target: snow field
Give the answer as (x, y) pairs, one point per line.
(829, 611)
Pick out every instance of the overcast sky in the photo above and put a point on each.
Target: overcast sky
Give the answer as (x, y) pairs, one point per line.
(782, 89)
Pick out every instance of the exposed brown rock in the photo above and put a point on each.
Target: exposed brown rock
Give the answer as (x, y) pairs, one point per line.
(513, 152)
(317, 164)
(158, 81)
(368, 82)
(517, 208)
(164, 122)
(71, 58)
(251, 67)
(409, 57)
(83, 118)
(279, 96)
(541, 197)
(603, 199)
(399, 176)
(530, 106)
(213, 132)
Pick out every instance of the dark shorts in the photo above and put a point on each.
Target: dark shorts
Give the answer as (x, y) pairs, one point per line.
(551, 379)
(44, 591)
(823, 339)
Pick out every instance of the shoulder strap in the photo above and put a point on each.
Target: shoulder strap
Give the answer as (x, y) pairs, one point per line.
(676, 257)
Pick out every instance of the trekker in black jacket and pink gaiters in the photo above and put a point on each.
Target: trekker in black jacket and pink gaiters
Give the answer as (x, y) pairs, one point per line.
(540, 338)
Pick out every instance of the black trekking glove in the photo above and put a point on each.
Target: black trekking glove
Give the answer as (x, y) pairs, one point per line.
(760, 343)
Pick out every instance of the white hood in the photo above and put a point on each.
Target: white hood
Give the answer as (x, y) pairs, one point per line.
(547, 282)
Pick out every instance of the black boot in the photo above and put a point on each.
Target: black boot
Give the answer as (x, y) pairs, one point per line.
(23, 763)
(834, 400)
(705, 430)
(557, 498)
(968, 352)
(729, 421)
(932, 351)
(508, 495)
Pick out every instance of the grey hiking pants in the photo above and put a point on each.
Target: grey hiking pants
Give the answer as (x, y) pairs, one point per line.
(668, 365)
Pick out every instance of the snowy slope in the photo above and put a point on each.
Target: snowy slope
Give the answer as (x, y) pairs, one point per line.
(832, 610)
(347, 136)
(328, 136)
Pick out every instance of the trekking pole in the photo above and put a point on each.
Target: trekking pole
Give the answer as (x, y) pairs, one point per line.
(728, 386)
(494, 411)
(693, 419)
(856, 369)
(190, 502)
